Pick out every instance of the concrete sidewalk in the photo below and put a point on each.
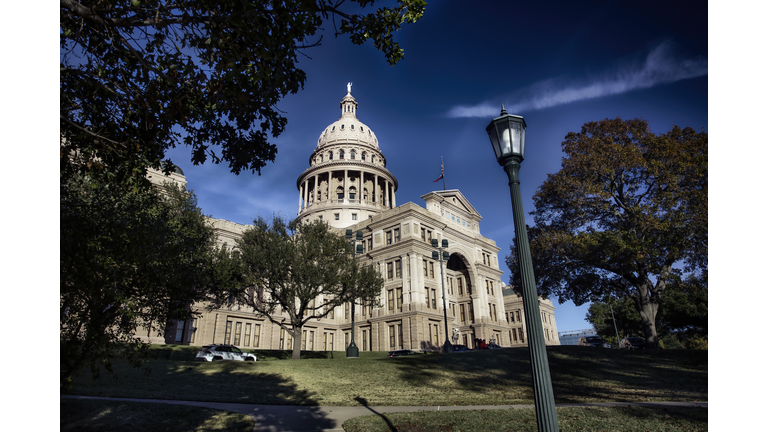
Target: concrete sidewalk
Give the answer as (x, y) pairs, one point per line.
(291, 418)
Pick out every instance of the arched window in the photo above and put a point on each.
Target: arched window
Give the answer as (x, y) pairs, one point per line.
(321, 158)
(340, 193)
(364, 155)
(330, 155)
(341, 154)
(342, 127)
(365, 194)
(352, 155)
(352, 193)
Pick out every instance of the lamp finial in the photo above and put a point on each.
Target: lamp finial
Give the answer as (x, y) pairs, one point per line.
(503, 111)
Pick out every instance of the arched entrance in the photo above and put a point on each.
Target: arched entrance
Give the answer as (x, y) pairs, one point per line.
(460, 283)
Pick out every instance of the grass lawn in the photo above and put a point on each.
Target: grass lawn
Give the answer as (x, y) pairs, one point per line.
(569, 419)
(489, 377)
(118, 416)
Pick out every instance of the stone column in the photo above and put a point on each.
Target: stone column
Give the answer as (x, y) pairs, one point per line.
(346, 181)
(314, 191)
(300, 199)
(376, 190)
(394, 202)
(306, 186)
(386, 193)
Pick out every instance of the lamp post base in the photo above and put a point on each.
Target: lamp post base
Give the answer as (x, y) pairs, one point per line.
(447, 347)
(352, 351)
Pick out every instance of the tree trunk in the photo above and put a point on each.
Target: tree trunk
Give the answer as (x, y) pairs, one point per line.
(648, 310)
(296, 343)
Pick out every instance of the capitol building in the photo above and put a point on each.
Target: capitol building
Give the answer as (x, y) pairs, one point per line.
(347, 184)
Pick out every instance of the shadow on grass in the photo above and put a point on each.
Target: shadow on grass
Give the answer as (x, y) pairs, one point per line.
(362, 401)
(579, 374)
(233, 383)
(122, 416)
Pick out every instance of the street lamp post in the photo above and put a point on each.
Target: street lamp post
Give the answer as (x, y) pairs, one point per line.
(443, 255)
(352, 351)
(507, 134)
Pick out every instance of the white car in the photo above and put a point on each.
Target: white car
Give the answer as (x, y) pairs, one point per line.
(223, 352)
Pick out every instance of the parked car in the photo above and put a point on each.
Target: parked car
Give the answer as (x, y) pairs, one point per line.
(460, 348)
(632, 343)
(593, 341)
(223, 352)
(398, 353)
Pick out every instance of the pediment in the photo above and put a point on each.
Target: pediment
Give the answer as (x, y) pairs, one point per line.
(454, 201)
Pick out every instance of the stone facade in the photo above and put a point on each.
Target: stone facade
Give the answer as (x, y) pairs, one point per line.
(348, 185)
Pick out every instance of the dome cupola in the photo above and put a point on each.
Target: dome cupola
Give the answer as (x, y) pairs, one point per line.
(347, 179)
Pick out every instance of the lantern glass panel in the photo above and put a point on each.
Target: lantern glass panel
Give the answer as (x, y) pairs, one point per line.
(494, 139)
(505, 140)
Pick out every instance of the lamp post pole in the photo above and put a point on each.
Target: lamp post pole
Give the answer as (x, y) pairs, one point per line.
(442, 254)
(507, 134)
(352, 350)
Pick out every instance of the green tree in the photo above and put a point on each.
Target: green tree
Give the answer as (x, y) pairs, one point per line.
(303, 270)
(138, 77)
(683, 313)
(130, 259)
(625, 214)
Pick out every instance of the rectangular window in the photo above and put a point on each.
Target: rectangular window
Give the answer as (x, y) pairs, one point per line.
(228, 332)
(179, 330)
(398, 269)
(389, 237)
(434, 299)
(365, 340)
(336, 216)
(399, 297)
(463, 317)
(431, 270)
(390, 270)
(491, 284)
(396, 234)
(311, 340)
(256, 334)
(495, 317)
(400, 336)
(471, 312)
(354, 215)
(325, 341)
(392, 337)
(425, 268)
(423, 234)
(304, 340)
(330, 342)
(370, 244)
(391, 299)
(522, 339)
(427, 296)
(238, 328)
(517, 314)
(435, 339)
(487, 290)
(464, 339)
(460, 285)
(514, 335)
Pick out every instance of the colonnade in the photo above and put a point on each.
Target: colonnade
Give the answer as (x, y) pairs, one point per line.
(311, 190)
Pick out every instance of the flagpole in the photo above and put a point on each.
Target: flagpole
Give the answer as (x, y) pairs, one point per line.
(442, 171)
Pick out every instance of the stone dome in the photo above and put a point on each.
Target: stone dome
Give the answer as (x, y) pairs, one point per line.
(348, 129)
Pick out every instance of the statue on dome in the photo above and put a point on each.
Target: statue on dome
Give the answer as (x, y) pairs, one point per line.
(349, 87)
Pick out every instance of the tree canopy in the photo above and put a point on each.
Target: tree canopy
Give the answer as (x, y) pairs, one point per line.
(130, 260)
(301, 269)
(683, 313)
(138, 77)
(625, 214)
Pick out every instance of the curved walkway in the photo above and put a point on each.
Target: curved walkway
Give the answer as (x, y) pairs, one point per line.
(292, 418)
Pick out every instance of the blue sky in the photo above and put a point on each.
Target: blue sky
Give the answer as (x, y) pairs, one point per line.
(558, 64)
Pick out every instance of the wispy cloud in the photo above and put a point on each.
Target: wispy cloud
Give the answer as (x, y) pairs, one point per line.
(661, 66)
